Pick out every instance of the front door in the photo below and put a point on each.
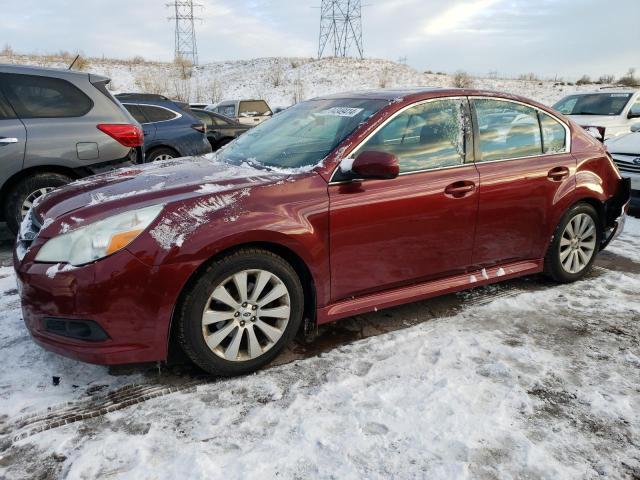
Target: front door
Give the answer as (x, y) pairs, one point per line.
(524, 165)
(13, 139)
(418, 226)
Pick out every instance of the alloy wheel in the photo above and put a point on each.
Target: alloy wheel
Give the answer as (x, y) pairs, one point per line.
(31, 198)
(578, 243)
(246, 315)
(164, 156)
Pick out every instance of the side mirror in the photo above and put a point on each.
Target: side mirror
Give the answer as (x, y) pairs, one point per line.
(635, 128)
(371, 164)
(634, 112)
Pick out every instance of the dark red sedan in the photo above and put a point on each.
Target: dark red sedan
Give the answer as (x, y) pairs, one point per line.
(335, 207)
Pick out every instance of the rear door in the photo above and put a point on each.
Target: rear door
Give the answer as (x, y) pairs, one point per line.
(418, 226)
(13, 140)
(56, 115)
(523, 158)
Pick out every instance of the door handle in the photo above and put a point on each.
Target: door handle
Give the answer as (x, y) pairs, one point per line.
(460, 189)
(558, 173)
(8, 140)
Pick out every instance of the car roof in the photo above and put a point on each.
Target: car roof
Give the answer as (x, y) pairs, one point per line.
(44, 71)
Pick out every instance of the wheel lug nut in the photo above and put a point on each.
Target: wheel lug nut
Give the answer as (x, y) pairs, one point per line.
(244, 304)
(255, 307)
(253, 319)
(237, 314)
(242, 323)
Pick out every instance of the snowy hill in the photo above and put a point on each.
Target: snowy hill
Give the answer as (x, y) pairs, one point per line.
(281, 81)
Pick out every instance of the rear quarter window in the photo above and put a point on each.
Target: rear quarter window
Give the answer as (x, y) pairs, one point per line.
(157, 114)
(33, 96)
(135, 112)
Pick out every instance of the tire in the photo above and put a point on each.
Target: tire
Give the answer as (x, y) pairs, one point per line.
(162, 153)
(235, 328)
(557, 262)
(25, 191)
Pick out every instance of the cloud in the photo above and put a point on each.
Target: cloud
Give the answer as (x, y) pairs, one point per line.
(457, 16)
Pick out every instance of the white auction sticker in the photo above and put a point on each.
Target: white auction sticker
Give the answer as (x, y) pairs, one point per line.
(341, 112)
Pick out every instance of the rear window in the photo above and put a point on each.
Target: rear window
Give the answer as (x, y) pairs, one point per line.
(253, 108)
(157, 114)
(33, 96)
(593, 104)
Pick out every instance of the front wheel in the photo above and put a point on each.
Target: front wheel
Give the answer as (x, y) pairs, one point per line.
(240, 313)
(575, 244)
(22, 196)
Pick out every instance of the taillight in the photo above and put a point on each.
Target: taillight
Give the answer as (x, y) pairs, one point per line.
(200, 127)
(126, 134)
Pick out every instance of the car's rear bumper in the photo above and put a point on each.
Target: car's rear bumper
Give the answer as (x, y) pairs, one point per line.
(130, 302)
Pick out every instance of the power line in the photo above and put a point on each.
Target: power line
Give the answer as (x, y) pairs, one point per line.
(341, 27)
(186, 46)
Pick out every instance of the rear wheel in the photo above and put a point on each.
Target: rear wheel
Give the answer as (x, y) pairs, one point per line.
(241, 312)
(24, 193)
(161, 154)
(575, 244)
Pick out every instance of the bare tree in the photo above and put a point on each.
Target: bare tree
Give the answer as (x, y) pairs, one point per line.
(384, 78)
(462, 80)
(297, 90)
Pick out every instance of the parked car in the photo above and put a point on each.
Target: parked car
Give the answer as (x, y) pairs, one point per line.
(337, 206)
(625, 150)
(248, 112)
(170, 129)
(57, 126)
(605, 113)
(220, 129)
(200, 106)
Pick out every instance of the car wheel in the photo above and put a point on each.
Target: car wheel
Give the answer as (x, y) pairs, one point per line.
(575, 244)
(240, 312)
(21, 197)
(161, 154)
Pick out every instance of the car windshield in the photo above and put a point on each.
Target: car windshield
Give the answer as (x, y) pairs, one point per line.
(593, 104)
(302, 135)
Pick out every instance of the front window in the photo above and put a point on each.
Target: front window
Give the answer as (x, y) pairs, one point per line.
(227, 110)
(593, 104)
(424, 137)
(302, 135)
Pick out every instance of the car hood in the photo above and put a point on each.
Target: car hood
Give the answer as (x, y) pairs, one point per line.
(596, 120)
(163, 182)
(629, 143)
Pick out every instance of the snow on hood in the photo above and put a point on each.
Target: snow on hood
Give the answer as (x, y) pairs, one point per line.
(629, 143)
(159, 182)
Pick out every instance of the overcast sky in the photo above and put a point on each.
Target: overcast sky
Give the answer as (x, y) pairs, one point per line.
(547, 37)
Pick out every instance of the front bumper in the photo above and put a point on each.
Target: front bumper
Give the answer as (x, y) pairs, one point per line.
(130, 301)
(616, 209)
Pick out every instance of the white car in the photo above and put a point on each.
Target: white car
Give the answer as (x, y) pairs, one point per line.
(605, 113)
(247, 112)
(625, 150)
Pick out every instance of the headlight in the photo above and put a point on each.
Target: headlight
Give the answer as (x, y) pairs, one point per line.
(98, 239)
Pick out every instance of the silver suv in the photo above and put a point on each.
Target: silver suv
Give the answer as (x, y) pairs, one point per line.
(57, 126)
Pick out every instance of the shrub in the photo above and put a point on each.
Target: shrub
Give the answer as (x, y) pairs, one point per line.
(7, 51)
(529, 77)
(384, 78)
(629, 80)
(607, 79)
(462, 80)
(584, 80)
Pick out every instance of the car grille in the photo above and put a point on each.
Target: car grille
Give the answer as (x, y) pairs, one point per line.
(626, 163)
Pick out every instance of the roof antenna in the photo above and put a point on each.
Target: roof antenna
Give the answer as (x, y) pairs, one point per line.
(74, 62)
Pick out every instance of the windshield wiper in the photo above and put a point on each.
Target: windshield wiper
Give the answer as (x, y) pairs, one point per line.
(586, 112)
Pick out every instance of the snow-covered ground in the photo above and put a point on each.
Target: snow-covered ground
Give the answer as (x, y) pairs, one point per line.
(281, 80)
(542, 384)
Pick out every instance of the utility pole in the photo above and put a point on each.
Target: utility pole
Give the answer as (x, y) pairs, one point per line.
(340, 27)
(186, 46)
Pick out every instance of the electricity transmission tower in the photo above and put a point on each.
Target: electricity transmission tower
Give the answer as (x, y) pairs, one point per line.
(186, 46)
(340, 27)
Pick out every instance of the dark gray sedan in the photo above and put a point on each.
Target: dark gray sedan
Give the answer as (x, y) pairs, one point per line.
(220, 129)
